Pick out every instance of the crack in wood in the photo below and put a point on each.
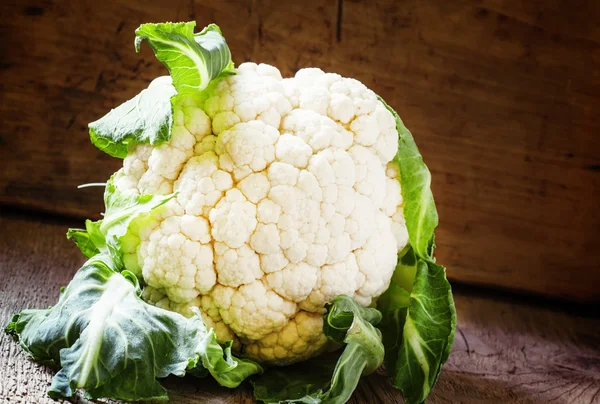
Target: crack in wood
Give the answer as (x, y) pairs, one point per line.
(466, 342)
(338, 26)
(564, 393)
(192, 6)
(592, 383)
(592, 400)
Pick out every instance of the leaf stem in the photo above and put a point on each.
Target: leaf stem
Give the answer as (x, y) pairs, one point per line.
(92, 184)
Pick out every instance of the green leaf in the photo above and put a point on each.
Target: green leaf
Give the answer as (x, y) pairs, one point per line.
(218, 360)
(419, 206)
(109, 342)
(406, 270)
(298, 383)
(122, 209)
(323, 380)
(418, 330)
(394, 303)
(419, 319)
(82, 240)
(192, 59)
(341, 313)
(146, 118)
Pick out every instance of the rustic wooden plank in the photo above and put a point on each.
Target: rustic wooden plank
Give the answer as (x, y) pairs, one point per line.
(505, 351)
(501, 96)
(550, 18)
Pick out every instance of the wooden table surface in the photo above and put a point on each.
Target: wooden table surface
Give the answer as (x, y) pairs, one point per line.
(507, 350)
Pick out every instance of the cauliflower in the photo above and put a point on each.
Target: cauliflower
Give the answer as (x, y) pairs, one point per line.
(256, 222)
(285, 198)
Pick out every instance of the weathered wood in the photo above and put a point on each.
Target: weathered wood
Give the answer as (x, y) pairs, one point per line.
(502, 98)
(504, 351)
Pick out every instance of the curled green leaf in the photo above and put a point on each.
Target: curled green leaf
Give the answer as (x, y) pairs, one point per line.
(218, 361)
(146, 118)
(419, 207)
(81, 238)
(192, 59)
(325, 380)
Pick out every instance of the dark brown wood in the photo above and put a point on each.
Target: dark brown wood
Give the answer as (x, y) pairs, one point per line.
(501, 96)
(505, 352)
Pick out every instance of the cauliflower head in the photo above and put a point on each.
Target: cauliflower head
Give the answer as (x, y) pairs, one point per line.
(284, 198)
(269, 212)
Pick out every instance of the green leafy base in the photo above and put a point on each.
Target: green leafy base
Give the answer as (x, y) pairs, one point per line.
(106, 340)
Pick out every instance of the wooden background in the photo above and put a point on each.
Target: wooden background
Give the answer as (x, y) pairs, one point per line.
(502, 96)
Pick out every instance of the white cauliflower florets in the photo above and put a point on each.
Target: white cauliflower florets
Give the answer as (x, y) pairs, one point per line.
(284, 200)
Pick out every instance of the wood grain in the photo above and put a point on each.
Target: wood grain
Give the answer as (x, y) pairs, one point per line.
(505, 351)
(502, 97)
